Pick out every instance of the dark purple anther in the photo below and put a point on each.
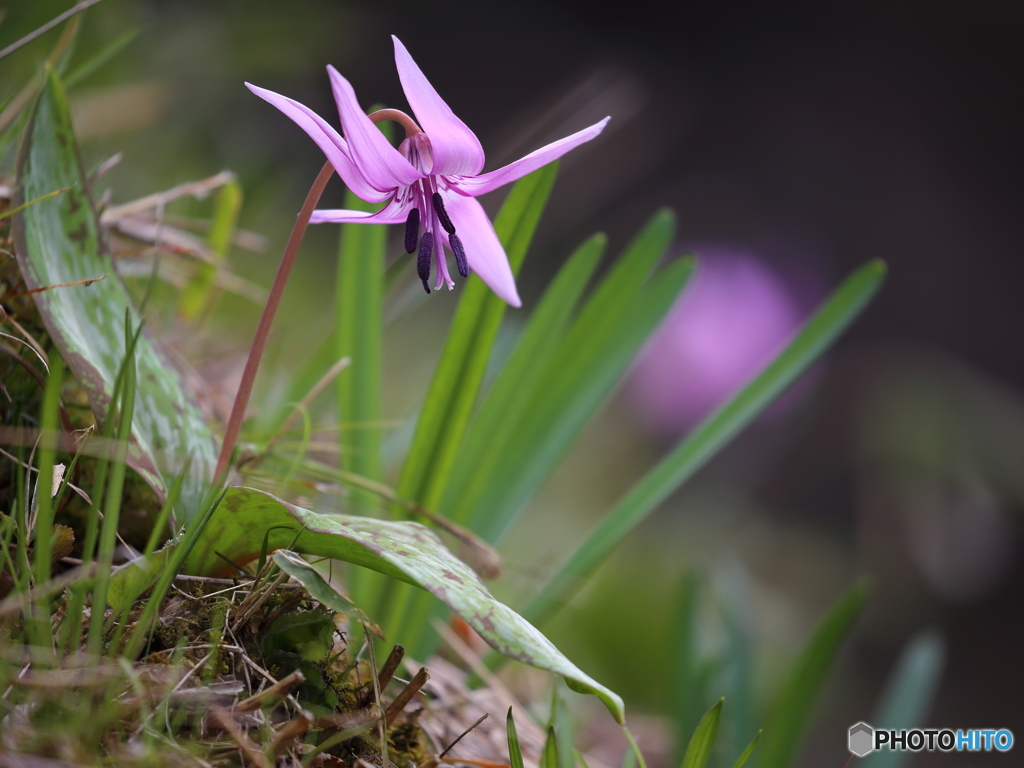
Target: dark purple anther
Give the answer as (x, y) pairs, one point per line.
(412, 230)
(423, 259)
(442, 214)
(460, 254)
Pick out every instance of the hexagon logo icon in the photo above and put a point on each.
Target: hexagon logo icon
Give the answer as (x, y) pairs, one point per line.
(861, 739)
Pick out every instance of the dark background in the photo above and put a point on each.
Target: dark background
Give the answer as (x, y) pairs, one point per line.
(819, 136)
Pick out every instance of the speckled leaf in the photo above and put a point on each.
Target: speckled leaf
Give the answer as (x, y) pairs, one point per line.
(58, 240)
(404, 550)
(322, 589)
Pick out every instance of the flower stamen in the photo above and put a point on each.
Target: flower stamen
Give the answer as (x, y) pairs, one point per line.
(442, 214)
(412, 230)
(460, 254)
(423, 259)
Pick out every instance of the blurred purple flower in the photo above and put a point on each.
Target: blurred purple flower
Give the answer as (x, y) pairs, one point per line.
(732, 319)
(430, 181)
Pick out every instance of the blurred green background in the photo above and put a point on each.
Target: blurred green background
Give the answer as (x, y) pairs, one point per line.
(806, 138)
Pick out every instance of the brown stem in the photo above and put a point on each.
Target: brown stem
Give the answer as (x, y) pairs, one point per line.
(266, 320)
(397, 115)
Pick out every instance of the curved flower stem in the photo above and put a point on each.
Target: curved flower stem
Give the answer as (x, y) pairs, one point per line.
(266, 320)
(397, 115)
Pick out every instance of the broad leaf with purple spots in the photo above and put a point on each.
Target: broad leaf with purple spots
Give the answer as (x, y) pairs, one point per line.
(403, 550)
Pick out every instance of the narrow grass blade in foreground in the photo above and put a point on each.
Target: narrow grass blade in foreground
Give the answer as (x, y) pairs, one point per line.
(792, 710)
(908, 695)
(515, 751)
(115, 485)
(817, 334)
(58, 241)
(745, 755)
(703, 739)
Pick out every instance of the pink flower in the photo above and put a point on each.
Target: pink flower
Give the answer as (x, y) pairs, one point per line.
(429, 182)
(733, 318)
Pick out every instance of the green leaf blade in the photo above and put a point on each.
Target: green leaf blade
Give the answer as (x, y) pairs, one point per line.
(794, 706)
(464, 359)
(703, 740)
(909, 694)
(497, 422)
(58, 241)
(404, 550)
(745, 755)
(588, 363)
(831, 319)
(453, 390)
(515, 751)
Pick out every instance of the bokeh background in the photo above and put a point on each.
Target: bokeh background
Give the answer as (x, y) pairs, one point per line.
(795, 141)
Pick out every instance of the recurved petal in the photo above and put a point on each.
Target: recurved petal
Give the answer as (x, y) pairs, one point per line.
(328, 139)
(390, 214)
(457, 150)
(478, 185)
(484, 253)
(380, 163)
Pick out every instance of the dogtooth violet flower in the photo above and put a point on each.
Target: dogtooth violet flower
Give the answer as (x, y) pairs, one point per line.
(429, 182)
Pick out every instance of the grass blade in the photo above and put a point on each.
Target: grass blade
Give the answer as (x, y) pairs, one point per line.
(745, 755)
(687, 693)
(549, 755)
(464, 359)
(831, 319)
(115, 486)
(198, 294)
(795, 704)
(909, 694)
(561, 725)
(39, 625)
(589, 361)
(359, 332)
(515, 752)
(108, 52)
(171, 569)
(452, 394)
(497, 422)
(633, 756)
(703, 739)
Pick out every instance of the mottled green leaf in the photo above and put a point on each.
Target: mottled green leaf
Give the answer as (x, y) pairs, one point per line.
(404, 550)
(317, 586)
(58, 240)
